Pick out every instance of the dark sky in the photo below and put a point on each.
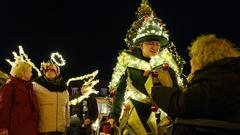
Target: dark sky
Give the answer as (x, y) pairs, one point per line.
(90, 33)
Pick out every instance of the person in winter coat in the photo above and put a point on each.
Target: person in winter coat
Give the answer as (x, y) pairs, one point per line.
(213, 91)
(83, 114)
(18, 104)
(53, 98)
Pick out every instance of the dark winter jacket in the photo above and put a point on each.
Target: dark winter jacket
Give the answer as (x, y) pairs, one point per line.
(92, 108)
(91, 112)
(18, 108)
(213, 93)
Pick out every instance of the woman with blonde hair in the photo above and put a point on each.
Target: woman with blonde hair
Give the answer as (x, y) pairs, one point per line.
(213, 91)
(208, 48)
(18, 108)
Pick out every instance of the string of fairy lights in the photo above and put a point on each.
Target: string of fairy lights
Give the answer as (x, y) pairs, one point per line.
(92, 76)
(22, 57)
(90, 89)
(56, 55)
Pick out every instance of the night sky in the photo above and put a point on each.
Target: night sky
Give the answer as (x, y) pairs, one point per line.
(89, 34)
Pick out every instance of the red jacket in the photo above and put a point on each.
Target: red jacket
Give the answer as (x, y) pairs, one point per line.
(22, 113)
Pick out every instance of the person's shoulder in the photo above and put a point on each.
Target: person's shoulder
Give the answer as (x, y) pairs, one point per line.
(8, 82)
(7, 85)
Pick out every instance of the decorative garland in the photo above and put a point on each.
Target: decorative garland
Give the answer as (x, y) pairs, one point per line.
(127, 60)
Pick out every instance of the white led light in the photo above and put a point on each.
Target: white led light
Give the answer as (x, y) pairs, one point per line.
(59, 56)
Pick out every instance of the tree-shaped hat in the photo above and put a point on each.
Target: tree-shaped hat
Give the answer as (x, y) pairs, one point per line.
(147, 27)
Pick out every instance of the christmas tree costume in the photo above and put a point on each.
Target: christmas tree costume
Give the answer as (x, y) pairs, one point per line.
(135, 75)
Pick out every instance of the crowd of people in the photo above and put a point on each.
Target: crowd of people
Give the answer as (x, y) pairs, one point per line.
(148, 88)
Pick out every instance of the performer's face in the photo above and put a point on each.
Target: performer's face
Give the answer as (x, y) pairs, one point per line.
(150, 48)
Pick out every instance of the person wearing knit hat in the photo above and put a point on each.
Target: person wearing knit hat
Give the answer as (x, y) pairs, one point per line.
(53, 97)
(139, 69)
(50, 66)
